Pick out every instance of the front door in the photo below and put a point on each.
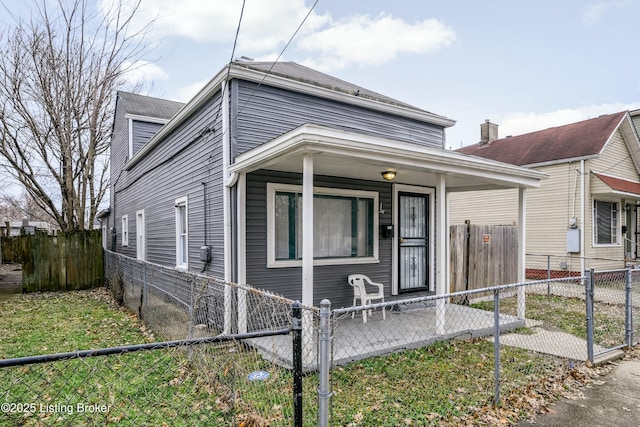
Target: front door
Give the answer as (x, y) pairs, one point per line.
(413, 242)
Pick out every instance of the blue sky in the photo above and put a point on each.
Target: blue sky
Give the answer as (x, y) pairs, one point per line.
(526, 65)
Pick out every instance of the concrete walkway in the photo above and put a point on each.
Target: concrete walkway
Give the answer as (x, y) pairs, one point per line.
(553, 342)
(613, 401)
(10, 281)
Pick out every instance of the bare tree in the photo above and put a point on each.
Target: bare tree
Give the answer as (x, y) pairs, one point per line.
(16, 207)
(58, 75)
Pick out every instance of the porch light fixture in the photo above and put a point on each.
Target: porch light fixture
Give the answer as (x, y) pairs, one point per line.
(389, 175)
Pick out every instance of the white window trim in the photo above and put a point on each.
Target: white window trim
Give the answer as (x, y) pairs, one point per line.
(272, 188)
(141, 234)
(182, 201)
(594, 225)
(130, 136)
(125, 230)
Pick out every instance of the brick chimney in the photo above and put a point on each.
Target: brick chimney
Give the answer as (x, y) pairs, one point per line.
(488, 132)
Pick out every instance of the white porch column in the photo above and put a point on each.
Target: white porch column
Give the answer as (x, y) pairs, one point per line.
(307, 257)
(522, 248)
(242, 251)
(441, 252)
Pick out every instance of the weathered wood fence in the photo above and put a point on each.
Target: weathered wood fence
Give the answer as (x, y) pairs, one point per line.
(67, 261)
(483, 255)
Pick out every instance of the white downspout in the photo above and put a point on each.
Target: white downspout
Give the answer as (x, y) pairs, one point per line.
(226, 197)
(242, 252)
(582, 221)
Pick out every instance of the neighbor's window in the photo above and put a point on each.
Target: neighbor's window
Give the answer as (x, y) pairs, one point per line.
(605, 222)
(344, 230)
(182, 237)
(125, 230)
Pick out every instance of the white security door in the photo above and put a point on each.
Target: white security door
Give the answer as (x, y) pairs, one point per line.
(413, 242)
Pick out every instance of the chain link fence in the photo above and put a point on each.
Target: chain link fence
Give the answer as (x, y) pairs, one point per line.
(430, 360)
(212, 381)
(179, 304)
(541, 267)
(431, 357)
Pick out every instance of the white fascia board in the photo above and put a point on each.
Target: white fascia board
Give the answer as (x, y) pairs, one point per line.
(312, 138)
(146, 119)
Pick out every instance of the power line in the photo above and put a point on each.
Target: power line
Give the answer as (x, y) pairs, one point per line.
(278, 58)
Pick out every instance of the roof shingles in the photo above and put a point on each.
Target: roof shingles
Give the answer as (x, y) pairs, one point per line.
(575, 140)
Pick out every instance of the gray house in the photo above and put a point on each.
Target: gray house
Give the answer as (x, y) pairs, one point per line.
(293, 180)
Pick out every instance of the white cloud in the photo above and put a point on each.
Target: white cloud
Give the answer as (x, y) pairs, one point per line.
(594, 12)
(265, 25)
(143, 73)
(185, 93)
(518, 123)
(363, 40)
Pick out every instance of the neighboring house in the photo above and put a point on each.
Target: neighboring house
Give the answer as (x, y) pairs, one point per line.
(17, 228)
(587, 211)
(276, 170)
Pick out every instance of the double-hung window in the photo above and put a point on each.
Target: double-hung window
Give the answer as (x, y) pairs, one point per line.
(182, 233)
(605, 222)
(125, 230)
(345, 226)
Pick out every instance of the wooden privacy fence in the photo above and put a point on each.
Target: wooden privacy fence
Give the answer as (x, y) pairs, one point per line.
(483, 255)
(67, 261)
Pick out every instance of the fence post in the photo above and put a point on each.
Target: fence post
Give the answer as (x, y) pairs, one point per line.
(628, 318)
(589, 313)
(297, 363)
(496, 346)
(548, 275)
(324, 364)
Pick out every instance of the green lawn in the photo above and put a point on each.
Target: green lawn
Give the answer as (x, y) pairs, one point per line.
(438, 385)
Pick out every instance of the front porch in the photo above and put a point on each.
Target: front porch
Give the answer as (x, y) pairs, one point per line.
(407, 326)
(283, 191)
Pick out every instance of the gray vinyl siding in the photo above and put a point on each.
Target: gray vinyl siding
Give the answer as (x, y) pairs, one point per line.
(266, 112)
(119, 151)
(330, 281)
(186, 163)
(141, 132)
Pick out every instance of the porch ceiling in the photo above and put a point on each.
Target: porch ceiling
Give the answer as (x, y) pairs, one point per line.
(353, 155)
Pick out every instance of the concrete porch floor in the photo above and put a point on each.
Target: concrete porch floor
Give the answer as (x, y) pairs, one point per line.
(408, 328)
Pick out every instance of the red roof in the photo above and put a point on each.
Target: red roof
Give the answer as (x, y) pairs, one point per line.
(575, 140)
(619, 184)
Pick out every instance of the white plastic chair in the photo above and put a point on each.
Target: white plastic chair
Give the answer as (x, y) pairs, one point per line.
(357, 281)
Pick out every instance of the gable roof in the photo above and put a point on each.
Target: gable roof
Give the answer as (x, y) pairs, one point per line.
(576, 140)
(148, 106)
